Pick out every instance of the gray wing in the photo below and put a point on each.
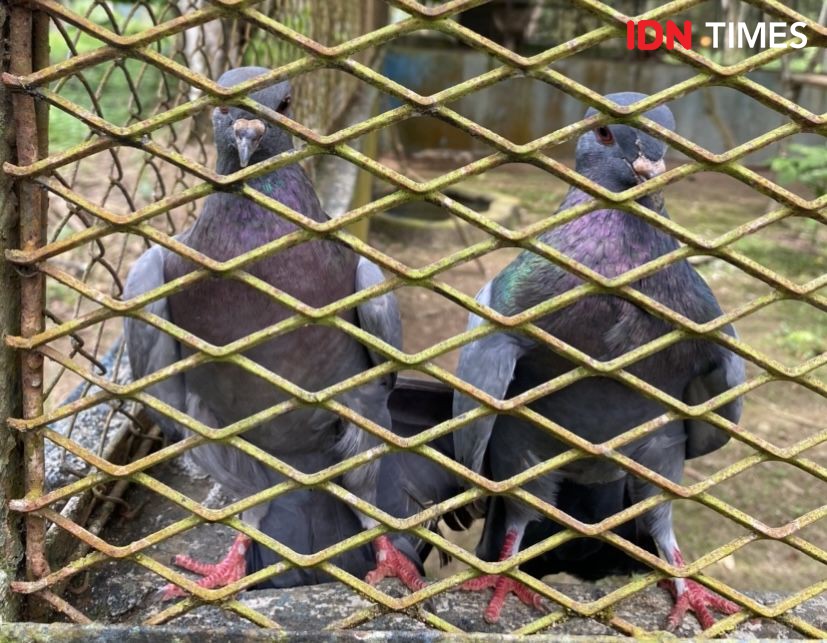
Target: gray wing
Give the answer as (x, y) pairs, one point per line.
(701, 437)
(489, 365)
(378, 316)
(150, 349)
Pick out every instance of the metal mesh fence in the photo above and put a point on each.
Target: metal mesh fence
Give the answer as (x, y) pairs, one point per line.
(124, 155)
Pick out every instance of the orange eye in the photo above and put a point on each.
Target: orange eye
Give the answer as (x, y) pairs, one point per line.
(604, 135)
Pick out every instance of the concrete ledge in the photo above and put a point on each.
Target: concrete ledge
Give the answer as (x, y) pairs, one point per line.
(308, 609)
(305, 612)
(41, 633)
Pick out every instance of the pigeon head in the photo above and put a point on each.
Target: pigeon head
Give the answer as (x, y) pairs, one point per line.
(619, 157)
(240, 137)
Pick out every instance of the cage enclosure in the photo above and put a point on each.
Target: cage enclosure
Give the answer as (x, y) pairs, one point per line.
(441, 139)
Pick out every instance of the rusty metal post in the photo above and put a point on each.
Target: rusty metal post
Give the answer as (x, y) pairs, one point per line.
(11, 456)
(31, 208)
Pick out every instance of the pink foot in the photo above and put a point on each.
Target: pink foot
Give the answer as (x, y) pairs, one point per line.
(503, 586)
(696, 598)
(229, 570)
(392, 562)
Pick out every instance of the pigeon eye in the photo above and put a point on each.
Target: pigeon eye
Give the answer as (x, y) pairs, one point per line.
(284, 105)
(224, 109)
(604, 135)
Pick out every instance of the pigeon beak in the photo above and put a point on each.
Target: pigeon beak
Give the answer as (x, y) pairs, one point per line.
(646, 168)
(248, 135)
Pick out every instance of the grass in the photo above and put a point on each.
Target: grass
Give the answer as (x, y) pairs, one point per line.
(803, 344)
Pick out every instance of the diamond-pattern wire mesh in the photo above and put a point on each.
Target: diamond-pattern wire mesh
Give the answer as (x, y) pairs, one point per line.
(171, 53)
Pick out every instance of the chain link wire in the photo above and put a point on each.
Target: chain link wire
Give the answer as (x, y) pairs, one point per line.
(130, 161)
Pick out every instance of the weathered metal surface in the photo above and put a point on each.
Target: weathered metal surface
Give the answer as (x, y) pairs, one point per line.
(32, 210)
(11, 463)
(35, 171)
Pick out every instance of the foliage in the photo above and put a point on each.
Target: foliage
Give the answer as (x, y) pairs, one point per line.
(806, 164)
(104, 89)
(802, 343)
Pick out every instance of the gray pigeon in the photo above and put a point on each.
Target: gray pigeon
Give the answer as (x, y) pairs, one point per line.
(505, 364)
(222, 310)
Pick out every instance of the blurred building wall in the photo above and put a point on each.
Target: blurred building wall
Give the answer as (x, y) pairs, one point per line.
(523, 109)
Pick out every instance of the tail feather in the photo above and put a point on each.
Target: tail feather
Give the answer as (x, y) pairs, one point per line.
(417, 405)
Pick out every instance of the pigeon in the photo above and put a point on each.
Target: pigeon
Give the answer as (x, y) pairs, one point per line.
(504, 364)
(222, 310)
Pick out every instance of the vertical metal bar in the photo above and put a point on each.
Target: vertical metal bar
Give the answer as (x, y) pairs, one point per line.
(40, 60)
(32, 290)
(11, 456)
